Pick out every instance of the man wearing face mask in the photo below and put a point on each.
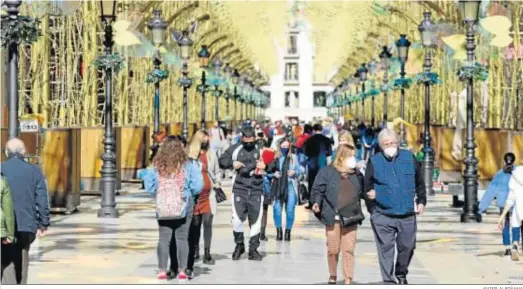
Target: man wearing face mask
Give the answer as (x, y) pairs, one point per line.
(247, 191)
(394, 179)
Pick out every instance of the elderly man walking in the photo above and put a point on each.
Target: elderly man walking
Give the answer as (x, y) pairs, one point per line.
(394, 180)
(31, 208)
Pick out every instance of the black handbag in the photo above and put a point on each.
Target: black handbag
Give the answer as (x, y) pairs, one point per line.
(220, 195)
(303, 194)
(350, 214)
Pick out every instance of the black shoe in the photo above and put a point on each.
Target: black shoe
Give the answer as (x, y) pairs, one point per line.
(171, 274)
(287, 235)
(197, 253)
(238, 251)
(189, 273)
(255, 255)
(279, 235)
(207, 258)
(508, 252)
(263, 237)
(402, 280)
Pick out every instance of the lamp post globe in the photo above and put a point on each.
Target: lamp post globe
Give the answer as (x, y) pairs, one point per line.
(157, 26)
(469, 10)
(403, 45)
(426, 28)
(107, 10)
(204, 56)
(185, 44)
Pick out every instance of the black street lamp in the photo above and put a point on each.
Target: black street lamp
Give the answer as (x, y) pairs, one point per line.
(385, 56)
(217, 64)
(403, 45)
(228, 75)
(358, 116)
(243, 90)
(469, 10)
(204, 55)
(185, 81)
(108, 171)
(157, 26)
(12, 73)
(426, 29)
(235, 78)
(362, 74)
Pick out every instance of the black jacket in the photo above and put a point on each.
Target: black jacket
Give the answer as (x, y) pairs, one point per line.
(326, 185)
(245, 181)
(317, 143)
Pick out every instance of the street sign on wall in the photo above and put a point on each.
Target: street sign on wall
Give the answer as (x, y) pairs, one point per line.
(29, 125)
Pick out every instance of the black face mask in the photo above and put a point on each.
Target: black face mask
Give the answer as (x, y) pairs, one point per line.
(249, 145)
(204, 146)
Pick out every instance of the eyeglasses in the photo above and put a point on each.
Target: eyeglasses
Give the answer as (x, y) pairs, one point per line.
(389, 144)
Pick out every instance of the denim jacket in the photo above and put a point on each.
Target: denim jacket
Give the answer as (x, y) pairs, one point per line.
(498, 188)
(193, 179)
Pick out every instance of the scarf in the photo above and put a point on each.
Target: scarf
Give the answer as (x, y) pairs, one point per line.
(280, 185)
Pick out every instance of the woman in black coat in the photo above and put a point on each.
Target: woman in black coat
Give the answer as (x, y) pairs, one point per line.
(335, 196)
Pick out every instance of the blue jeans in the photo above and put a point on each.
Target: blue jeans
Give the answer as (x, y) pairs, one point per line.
(506, 232)
(289, 210)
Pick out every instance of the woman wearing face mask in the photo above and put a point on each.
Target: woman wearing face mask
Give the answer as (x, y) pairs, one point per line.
(205, 205)
(335, 197)
(284, 188)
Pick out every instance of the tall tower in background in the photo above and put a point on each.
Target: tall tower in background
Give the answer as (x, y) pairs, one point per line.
(293, 91)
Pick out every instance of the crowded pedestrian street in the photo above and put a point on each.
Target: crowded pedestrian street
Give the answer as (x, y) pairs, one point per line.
(296, 142)
(82, 249)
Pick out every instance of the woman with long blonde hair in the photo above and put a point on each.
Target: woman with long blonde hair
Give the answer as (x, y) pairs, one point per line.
(179, 180)
(335, 196)
(205, 207)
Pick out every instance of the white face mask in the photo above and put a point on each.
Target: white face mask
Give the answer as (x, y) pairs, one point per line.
(350, 163)
(390, 152)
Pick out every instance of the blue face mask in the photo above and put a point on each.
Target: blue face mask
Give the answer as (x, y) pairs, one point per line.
(284, 151)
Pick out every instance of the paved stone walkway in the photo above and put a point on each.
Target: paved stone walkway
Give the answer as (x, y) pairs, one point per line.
(82, 249)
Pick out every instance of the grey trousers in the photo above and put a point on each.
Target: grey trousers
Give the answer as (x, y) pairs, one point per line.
(179, 231)
(394, 233)
(15, 259)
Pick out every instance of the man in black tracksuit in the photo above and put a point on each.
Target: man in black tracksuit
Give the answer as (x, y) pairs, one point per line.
(247, 191)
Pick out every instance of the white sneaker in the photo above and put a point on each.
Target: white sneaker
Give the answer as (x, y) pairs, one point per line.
(515, 253)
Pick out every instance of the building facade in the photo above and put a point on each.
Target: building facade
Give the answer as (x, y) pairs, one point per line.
(293, 92)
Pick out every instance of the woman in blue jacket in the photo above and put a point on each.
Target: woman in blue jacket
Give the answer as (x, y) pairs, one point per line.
(284, 188)
(498, 188)
(179, 181)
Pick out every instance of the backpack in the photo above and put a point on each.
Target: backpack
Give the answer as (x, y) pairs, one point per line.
(171, 204)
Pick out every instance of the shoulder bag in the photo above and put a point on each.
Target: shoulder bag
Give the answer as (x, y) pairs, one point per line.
(350, 214)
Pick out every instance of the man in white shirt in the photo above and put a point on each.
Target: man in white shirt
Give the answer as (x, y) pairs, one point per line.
(216, 138)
